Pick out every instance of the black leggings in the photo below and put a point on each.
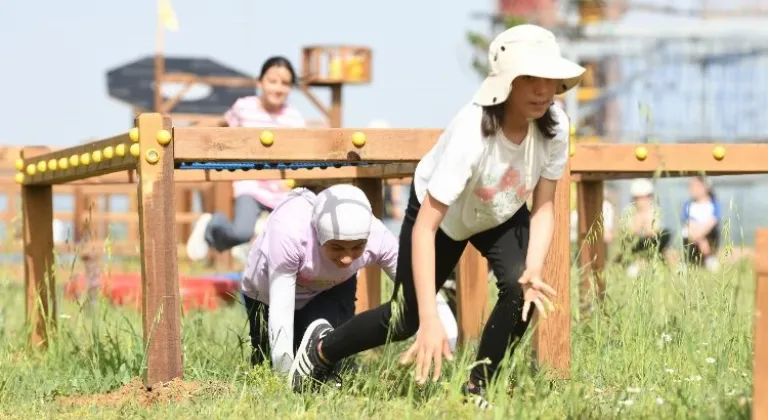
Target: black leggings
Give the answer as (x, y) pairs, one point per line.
(691, 251)
(336, 305)
(504, 246)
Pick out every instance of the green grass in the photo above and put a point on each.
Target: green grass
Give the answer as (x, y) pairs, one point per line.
(664, 345)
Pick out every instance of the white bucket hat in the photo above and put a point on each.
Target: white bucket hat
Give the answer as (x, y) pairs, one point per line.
(525, 50)
(641, 188)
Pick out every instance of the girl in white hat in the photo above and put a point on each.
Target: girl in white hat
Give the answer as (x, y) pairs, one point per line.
(303, 267)
(508, 144)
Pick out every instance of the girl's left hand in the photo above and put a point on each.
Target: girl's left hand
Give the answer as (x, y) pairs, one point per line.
(532, 278)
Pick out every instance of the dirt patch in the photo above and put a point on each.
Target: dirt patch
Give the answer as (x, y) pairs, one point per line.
(135, 392)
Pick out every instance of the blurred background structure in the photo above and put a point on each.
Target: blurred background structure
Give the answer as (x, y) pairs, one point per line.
(662, 72)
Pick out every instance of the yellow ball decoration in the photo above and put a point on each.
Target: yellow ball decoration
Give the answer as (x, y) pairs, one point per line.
(163, 137)
(19, 164)
(718, 152)
(31, 169)
(96, 156)
(52, 164)
(63, 163)
(358, 139)
(41, 166)
(133, 134)
(152, 156)
(267, 138)
(641, 153)
(290, 183)
(135, 149)
(572, 150)
(85, 159)
(19, 177)
(74, 161)
(120, 150)
(109, 152)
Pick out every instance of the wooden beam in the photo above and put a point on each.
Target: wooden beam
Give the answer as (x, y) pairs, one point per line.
(472, 298)
(552, 339)
(161, 302)
(592, 249)
(78, 162)
(760, 350)
(369, 279)
(380, 171)
(669, 159)
(39, 268)
(196, 144)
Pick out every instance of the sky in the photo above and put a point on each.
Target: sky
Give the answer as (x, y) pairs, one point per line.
(55, 56)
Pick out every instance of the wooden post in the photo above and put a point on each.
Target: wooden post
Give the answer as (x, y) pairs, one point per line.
(591, 243)
(369, 279)
(553, 335)
(472, 299)
(161, 303)
(760, 350)
(39, 269)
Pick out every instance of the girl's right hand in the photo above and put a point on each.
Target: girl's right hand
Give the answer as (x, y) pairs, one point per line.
(431, 344)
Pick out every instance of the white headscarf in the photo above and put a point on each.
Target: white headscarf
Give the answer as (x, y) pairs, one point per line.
(342, 212)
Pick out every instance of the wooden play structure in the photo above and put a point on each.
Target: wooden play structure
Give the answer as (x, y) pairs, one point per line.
(162, 155)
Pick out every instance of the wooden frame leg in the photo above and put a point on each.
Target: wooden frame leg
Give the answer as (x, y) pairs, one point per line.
(369, 279)
(161, 303)
(553, 335)
(472, 299)
(760, 351)
(39, 264)
(591, 244)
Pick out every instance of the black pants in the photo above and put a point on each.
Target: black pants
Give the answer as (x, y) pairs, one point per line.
(691, 251)
(505, 248)
(337, 305)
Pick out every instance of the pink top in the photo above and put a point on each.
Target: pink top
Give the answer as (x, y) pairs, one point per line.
(248, 112)
(289, 245)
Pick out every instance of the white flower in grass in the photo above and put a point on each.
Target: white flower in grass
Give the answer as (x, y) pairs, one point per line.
(634, 390)
(626, 402)
(598, 390)
(64, 316)
(666, 337)
(659, 400)
(669, 370)
(711, 360)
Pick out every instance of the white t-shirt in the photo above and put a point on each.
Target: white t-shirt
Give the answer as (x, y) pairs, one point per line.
(485, 180)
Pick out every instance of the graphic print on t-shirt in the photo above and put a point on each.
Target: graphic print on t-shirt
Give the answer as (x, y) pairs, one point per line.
(505, 190)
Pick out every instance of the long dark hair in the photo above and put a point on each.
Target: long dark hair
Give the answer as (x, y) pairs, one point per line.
(493, 120)
(708, 186)
(278, 61)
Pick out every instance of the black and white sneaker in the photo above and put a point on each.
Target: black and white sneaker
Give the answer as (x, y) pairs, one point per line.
(307, 364)
(475, 396)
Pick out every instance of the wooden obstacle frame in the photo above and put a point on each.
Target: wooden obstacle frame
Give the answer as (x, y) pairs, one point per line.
(154, 149)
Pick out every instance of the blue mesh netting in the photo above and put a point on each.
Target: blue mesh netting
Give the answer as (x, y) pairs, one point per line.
(245, 166)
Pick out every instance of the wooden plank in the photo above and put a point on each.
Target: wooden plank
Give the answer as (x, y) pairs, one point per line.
(669, 159)
(96, 154)
(552, 339)
(472, 299)
(161, 302)
(760, 350)
(591, 244)
(369, 279)
(196, 144)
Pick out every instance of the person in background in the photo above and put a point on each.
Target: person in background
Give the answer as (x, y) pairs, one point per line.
(642, 231)
(268, 109)
(701, 225)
